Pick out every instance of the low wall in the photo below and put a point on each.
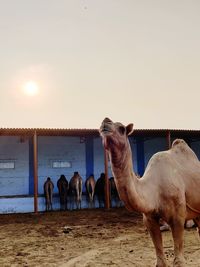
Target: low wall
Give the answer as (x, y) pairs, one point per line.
(25, 204)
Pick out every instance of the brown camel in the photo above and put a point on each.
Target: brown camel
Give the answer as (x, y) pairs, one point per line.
(75, 189)
(90, 187)
(48, 193)
(63, 187)
(168, 190)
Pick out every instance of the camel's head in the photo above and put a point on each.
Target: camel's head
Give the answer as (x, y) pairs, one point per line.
(114, 134)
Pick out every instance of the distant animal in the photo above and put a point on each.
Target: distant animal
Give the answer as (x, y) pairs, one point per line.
(100, 190)
(75, 189)
(90, 189)
(168, 190)
(48, 193)
(114, 196)
(63, 187)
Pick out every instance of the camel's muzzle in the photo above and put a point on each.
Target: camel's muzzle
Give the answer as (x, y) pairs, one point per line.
(106, 126)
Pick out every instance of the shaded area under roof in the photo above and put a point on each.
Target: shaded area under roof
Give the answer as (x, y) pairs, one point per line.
(95, 132)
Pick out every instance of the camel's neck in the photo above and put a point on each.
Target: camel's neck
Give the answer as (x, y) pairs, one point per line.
(128, 184)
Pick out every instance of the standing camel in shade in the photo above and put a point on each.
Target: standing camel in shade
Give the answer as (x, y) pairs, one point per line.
(168, 190)
(90, 188)
(48, 193)
(75, 189)
(100, 190)
(114, 196)
(63, 187)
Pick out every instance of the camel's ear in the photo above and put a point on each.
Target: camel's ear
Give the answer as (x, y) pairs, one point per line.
(129, 129)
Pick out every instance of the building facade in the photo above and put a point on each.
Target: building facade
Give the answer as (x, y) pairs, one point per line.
(29, 156)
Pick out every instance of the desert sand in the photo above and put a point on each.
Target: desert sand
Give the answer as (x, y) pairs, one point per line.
(85, 238)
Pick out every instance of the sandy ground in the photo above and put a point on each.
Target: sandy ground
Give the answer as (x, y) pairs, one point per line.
(84, 238)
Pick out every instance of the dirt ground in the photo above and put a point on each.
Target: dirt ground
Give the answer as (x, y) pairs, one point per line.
(84, 238)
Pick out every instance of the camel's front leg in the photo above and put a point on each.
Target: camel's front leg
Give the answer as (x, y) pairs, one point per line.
(153, 226)
(177, 227)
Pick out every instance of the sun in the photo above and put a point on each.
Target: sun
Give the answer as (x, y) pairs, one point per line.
(31, 88)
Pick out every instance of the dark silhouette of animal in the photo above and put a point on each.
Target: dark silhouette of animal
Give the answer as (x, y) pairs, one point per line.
(75, 189)
(90, 189)
(63, 187)
(48, 193)
(100, 190)
(114, 196)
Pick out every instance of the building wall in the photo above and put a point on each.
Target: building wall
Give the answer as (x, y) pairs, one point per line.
(152, 146)
(14, 181)
(19, 181)
(59, 148)
(24, 204)
(133, 144)
(196, 148)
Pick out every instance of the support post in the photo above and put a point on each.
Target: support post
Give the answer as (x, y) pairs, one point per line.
(107, 187)
(89, 155)
(140, 155)
(35, 171)
(168, 140)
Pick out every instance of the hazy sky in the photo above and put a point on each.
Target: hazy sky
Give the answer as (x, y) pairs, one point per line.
(131, 60)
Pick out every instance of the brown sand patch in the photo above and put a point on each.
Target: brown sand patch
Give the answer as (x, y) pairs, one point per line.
(88, 238)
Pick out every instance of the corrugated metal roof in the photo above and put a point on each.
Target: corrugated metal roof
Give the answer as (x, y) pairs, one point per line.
(48, 131)
(93, 132)
(162, 132)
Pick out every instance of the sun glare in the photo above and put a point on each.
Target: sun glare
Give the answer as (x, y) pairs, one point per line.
(31, 88)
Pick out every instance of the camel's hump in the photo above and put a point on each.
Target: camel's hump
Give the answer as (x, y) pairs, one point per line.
(178, 142)
(180, 147)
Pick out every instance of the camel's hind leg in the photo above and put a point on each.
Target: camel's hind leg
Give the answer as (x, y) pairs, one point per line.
(177, 227)
(47, 202)
(79, 201)
(51, 201)
(65, 201)
(197, 221)
(153, 226)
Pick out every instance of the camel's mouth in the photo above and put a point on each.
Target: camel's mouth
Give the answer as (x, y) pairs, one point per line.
(105, 128)
(105, 132)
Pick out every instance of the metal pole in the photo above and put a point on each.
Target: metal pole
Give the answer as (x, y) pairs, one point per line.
(107, 187)
(168, 139)
(35, 171)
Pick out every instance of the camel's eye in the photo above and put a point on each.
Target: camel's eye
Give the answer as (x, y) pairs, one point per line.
(122, 130)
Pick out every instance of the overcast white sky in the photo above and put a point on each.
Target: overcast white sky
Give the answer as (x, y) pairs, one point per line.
(133, 61)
